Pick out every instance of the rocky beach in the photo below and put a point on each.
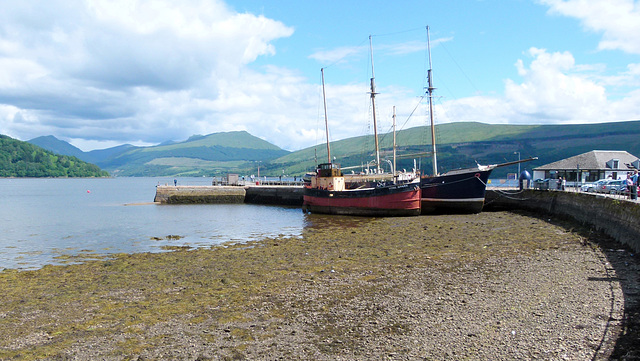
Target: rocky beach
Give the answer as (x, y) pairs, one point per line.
(494, 285)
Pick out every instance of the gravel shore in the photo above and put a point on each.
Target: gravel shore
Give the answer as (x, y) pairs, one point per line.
(489, 286)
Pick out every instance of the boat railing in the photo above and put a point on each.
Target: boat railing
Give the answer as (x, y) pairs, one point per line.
(261, 182)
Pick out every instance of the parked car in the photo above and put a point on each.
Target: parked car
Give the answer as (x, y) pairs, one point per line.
(545, 184)
(601, 188)
(592, 187)
(615, 186)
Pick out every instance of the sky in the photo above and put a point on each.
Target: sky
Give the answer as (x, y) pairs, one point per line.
(101, 73)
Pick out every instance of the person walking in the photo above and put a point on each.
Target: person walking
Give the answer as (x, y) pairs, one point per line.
(634, 186)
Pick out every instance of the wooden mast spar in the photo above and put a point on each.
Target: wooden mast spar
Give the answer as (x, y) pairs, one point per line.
(326, 119)
(373, 106)
(430, 90)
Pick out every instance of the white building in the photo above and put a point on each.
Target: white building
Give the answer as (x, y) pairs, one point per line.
(590, 166)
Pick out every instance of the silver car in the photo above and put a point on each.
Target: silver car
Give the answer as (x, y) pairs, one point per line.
(615, 187)
(593, 187)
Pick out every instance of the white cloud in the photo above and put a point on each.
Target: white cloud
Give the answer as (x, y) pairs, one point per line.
(337, 55)
(553, 89)
(106, 72)
(617, 20)
(129, 70)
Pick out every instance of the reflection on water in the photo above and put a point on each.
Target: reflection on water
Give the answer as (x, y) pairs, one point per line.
(53, 221)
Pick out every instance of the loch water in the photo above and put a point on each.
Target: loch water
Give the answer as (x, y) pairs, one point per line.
(57, 221)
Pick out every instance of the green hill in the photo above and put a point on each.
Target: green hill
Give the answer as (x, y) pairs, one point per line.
(58, 146)
(22, 159)
(210, 155)
(461, 145)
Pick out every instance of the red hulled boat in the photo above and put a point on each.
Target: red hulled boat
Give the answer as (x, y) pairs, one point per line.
(326, 193)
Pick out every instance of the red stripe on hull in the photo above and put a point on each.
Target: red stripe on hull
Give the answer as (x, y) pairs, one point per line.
(401, 203)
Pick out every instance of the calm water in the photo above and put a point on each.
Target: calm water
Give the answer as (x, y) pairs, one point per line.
(48, 221)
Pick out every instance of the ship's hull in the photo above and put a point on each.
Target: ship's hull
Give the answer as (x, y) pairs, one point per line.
(394, 200)
(460, 191)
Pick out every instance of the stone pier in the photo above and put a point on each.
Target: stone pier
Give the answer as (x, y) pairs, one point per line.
(199, 194)
(256, 194)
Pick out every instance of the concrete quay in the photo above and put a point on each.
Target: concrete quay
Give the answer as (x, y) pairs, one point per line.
(255, 194)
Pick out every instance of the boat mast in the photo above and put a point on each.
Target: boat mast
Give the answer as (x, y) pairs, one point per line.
(326, 119)
(394, 144)
(430, 90)
(373, 106)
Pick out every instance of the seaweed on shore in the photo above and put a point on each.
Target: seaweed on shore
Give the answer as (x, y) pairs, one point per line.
(328, 293)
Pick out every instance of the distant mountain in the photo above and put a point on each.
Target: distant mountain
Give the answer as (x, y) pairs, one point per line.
(210, 155)
(56, 145)
(23, 159)
(461, 145)
(201, 155)
(49, 142)
(100, 156)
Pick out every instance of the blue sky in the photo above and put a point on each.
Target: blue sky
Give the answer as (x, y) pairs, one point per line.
(100, 73)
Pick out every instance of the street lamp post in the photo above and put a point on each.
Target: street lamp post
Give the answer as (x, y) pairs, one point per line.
(258, 171)
(518, 176)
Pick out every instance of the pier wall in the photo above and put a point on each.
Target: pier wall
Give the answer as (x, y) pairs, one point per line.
(280, 195)
(617, 218)
(199, 194)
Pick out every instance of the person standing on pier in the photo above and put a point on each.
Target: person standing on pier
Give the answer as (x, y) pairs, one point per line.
(633, 185)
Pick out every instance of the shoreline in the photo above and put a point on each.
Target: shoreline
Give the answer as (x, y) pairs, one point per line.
(495, 285)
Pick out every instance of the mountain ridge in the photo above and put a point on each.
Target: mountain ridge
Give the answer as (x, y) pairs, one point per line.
(460, 145)
(23, 159)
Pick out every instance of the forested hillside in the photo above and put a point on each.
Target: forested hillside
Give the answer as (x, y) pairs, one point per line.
(209, 155)
(201, 155)
(22, 159)
(461, 145)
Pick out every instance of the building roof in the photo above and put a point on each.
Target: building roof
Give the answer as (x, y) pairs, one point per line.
(595, 160)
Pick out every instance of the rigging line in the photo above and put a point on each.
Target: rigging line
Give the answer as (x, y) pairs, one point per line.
(421, 97)
(424, 77)
(318, 117)
(402, 127)
(357, 48)
(508, 192)
(384, 135)
(367, 143)
(413, 111)
(459, 67)
(321, 116)
(399, 32)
